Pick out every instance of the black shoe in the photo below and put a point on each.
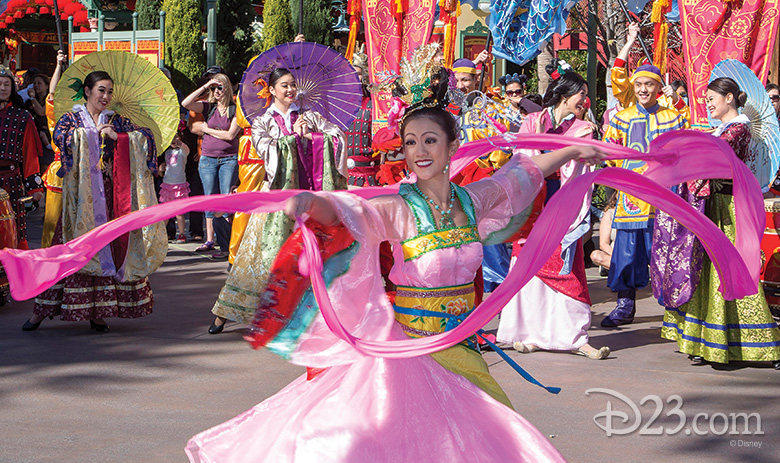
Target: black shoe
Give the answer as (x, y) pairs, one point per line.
(776, 365)
(697, 359)
(30, 326)
(99, 328)
(216, 329)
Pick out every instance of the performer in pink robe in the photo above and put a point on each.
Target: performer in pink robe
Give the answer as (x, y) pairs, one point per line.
(552, 312)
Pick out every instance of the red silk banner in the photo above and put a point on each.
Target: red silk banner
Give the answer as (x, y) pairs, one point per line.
(715, 30)
(390, 35)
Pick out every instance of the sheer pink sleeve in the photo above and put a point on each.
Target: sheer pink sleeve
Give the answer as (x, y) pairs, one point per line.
(371, 221)
(502, 202)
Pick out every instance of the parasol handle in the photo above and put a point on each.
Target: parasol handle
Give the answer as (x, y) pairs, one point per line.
(300, 16)
(639, 36)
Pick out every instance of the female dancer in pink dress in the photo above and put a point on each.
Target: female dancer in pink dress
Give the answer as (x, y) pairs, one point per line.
(362, 408)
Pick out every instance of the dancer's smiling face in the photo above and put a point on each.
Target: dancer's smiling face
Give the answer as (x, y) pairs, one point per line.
(427, 147)
(100, 95)
(646, 91)
(718, 105)
(285, 90)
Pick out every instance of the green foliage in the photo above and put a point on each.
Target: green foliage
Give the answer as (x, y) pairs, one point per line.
(577, 59)
(148, 14)
(317, 21)
(184, 55)
(234, 34)
(277, 23)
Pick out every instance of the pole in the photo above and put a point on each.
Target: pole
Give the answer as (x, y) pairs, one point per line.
(592, 57)
(488, 43)
(134, 45)
(300, 16)
(161, 62)
(59, 25)
(641, 40)
(211, 37)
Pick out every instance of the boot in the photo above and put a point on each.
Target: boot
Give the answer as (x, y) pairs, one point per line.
(624, 312)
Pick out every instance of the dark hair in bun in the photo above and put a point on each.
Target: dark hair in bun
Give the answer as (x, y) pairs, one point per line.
(725, 85)
(565, 86)
(521, 79)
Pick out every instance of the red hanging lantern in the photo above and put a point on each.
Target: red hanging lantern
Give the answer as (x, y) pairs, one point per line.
(70, 9)
(44, 10)
(49, 3)
(64, 16)
(130, 5)
(18, 14)
(81, 18)
(9, 19)
(83, 29)
(3, 25)
(30, 10)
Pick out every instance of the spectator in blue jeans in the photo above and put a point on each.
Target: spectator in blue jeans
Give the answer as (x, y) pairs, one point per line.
(218, 166)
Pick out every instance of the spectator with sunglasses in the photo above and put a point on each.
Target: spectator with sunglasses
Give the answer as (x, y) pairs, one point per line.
(774, 94)
(218, 165)
(514, 89)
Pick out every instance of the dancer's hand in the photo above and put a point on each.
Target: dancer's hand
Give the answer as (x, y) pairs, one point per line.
(315, 206)
(633, 32)
(669, 92)
(299, 205)
(107, 130)
(587, 154)
(301, 128)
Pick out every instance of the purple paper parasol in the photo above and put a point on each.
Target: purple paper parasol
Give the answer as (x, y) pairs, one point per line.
(327, 82)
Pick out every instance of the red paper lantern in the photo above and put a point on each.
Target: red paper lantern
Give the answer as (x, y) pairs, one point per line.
(9, 19)
(44, 10)
(83, 29)
(30, 10)
(18, 14)
(70, 8)
(2, 25)
(130, 5)
(50, 3)
(64, 16)
(80, 17)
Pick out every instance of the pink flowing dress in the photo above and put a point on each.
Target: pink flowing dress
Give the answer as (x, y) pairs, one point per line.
(372, 409)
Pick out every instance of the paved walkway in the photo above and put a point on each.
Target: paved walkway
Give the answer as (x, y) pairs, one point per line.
(138, 393)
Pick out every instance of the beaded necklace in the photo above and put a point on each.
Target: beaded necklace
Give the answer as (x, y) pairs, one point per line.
(446, 215)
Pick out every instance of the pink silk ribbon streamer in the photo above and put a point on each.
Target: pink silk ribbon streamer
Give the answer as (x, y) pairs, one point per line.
(673, 158)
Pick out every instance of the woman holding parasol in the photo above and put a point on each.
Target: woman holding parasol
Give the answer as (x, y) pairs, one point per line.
(300, 150)
(107, 167)
(707, 327)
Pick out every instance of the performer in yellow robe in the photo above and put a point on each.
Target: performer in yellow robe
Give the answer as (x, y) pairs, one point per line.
(623, 88)
(635, 127)
(251, 174)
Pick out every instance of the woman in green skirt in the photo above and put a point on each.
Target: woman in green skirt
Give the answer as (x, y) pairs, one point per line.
(709, 328)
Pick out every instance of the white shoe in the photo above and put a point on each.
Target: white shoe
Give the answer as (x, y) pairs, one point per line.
(525, 348)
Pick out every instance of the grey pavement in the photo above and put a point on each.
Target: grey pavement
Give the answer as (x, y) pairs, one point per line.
(138, 393)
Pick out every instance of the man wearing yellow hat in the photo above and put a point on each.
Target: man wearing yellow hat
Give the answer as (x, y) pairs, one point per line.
(635, 127)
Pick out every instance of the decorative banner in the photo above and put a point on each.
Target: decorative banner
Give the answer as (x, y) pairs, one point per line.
(391, 33)
(521, 29)
(746, 34)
